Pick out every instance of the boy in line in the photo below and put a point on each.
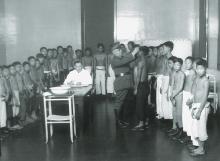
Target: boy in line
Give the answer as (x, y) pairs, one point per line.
(100, 63)
(190, 75)
(200, 107)
(176, 98)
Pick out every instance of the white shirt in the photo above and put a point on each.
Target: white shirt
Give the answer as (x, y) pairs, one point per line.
(74, 77)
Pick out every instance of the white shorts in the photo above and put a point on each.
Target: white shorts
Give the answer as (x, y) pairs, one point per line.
(199, 130)
(186, 113)
(159, 96)
(3, 114)
(167, 110)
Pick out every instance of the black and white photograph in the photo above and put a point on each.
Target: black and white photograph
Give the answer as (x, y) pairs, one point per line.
(109, 80)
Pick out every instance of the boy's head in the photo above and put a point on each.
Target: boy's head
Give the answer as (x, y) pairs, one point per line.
(26, 66)
(69, 49)
(17, 66)
(101, 47)
(12, 69)
(40, 57)
(161, 49)
(60, 50)
(88, 52)
(55, 53)
(43, 51)
(50, 53)
(150, 50)
(178, 62)
(65, 52)
(201, 67)
(123, 47)
(155, 51)
(32, 61)
(78, 53)
(6, 71)
(189, 63)
(168, 47)
(38, 63)
(78, 66)
(171, 61)
(143, 50)
(131, 45)
(195, 62)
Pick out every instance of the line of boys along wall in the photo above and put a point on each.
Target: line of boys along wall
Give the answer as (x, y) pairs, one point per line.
(26, 25)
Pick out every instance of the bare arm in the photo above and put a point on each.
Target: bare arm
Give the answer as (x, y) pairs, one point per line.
(205, 95)
(180, 87)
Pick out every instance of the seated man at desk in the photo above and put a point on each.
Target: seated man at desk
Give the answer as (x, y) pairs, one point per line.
(78, 76)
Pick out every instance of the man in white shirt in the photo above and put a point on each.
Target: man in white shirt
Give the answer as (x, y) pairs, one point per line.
(79, 75)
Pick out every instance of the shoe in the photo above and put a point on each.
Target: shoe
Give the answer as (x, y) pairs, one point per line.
(197, 152)
(178, 136)
(29, 120)
(175, 132)
(191, 147)
(16, 127)
(171, 130)
(123, 124)
(182, 140)
(138, 128)
(5, 131)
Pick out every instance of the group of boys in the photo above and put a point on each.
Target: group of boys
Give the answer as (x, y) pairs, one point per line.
(181, 95)
(157, 78)
(22, 85)
(153, 73)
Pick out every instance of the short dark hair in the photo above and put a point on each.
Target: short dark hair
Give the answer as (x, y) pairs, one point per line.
(88, 49)
(151, 47)
(69, 46)
(178, 60)
(31, 57)
(78, 61)
(144, 49)
(39, 55)
(122, 45)
(25, 63)
(43, 48)
(202, 62)
(172, 58)
(5, 67)
(132, 43)
(100, 45)
(16, 63)
(190, 58)
(58, 47)
(159, 46)
(169, 44)
(78, 50)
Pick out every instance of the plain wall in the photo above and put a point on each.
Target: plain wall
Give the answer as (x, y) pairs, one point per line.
(2, 33)
(31, 24)
(157, 20)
